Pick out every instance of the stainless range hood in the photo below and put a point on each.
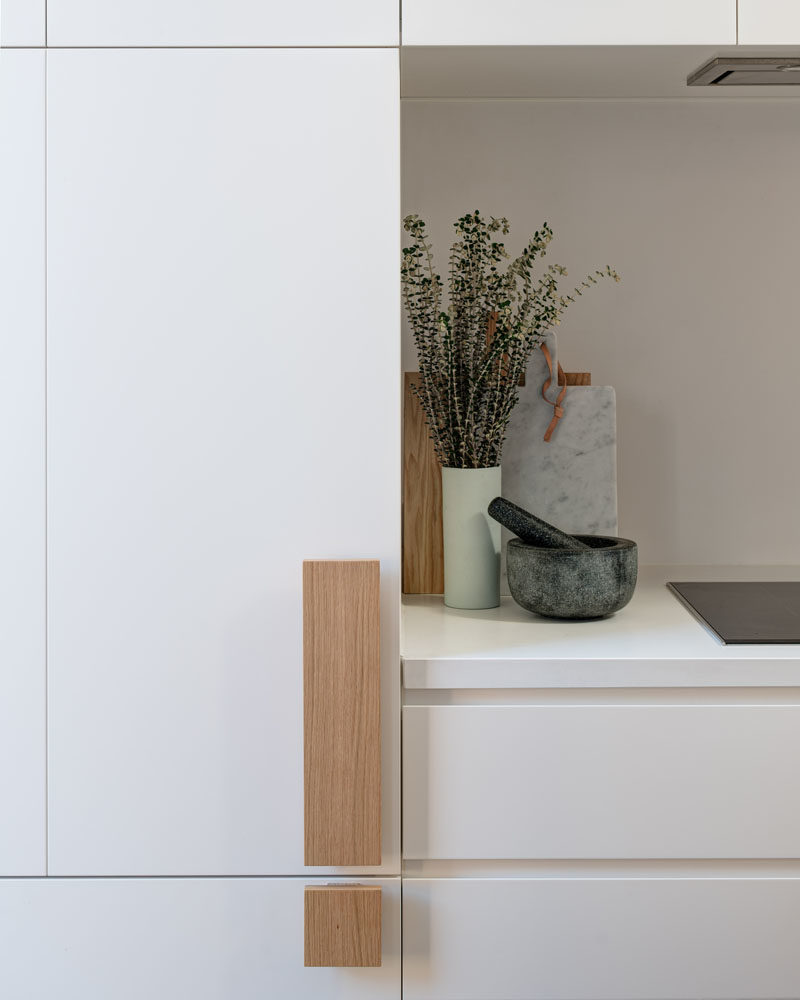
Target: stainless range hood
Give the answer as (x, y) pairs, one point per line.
(747, 71)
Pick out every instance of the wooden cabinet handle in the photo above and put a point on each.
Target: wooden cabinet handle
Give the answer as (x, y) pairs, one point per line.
(343, 925)
(341, 712)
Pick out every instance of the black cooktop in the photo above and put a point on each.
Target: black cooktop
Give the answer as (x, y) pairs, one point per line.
(745, 612)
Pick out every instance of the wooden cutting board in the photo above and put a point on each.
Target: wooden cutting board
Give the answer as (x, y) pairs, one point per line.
(423, 549)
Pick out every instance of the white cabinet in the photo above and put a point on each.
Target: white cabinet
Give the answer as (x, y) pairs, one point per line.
(645, 938)
(769, 22)
(222, 22)
(601, 781)
(22, 464)
(604, 812)
(165, 939)
(22, 22)
(569, 22)
(223, 383)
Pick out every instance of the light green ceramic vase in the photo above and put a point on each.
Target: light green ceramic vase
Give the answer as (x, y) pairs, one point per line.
(471, 538)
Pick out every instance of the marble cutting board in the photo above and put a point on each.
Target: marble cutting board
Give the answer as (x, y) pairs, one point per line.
(571, 480)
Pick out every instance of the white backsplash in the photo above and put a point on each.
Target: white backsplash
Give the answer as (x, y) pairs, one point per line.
(695, 204)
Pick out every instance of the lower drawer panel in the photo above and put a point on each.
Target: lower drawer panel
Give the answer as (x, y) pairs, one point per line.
(607, 781)
(601, 939)
(177, 939)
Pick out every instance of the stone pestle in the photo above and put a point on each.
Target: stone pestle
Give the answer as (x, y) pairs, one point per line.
(531, 529)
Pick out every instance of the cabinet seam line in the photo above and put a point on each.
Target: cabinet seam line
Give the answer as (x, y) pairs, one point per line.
(46, 509)
(212, 48)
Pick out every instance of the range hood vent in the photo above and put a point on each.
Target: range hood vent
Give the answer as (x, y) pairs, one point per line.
(747, 71)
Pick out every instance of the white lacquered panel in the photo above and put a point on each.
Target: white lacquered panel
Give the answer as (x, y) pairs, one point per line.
(22, 22)
(601, 939)
(224, 403)
(222, 22)
(164, 939)
(585, 781)
(22, 464)
(769, 22)
(569, 22)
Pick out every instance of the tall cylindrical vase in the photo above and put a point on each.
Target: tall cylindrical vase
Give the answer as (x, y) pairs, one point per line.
(471, 538)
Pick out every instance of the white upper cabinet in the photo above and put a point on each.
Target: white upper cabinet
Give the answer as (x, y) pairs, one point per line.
(569, 22)
(22, 464)
(222, 22)
(769, 22)
(223, 378)
(22, 22)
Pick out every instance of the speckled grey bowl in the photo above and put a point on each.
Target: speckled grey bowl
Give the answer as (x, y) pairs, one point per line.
(573, 583)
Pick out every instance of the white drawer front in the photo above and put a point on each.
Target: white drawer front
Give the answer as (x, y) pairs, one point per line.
(633, 781)
(601, 939)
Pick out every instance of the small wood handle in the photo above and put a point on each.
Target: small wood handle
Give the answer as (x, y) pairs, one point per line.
(343, 926)
(342, 712)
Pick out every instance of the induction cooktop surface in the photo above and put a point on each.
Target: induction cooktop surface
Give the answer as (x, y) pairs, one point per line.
(739, 613)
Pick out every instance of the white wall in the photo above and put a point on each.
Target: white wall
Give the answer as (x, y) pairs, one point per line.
(697, 204)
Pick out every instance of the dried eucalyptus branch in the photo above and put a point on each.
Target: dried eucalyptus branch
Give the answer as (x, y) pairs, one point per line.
(469, 378)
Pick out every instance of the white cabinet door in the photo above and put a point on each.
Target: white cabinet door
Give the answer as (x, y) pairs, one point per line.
(223, 383)
(569, 22)
(605, 781)
(769, 22)
(601, 938)
(176, 939)
(223, 22)
(22, 464)
(22, 22)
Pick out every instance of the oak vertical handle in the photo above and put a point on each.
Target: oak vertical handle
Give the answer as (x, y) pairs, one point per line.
(343, 925)
(341, 712)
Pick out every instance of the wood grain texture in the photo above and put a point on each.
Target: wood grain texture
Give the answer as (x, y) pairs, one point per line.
(341, 712)
(423, 548)
(578, 378)
(343, 925)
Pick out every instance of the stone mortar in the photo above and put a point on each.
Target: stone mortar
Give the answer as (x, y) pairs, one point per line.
(573, 583)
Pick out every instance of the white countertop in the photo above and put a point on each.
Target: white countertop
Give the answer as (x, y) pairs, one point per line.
(653, 642)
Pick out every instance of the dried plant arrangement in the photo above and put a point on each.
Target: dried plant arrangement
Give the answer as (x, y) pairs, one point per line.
(472, 353)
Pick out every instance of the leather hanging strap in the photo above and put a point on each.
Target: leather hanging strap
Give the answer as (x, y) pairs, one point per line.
(558, 409)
